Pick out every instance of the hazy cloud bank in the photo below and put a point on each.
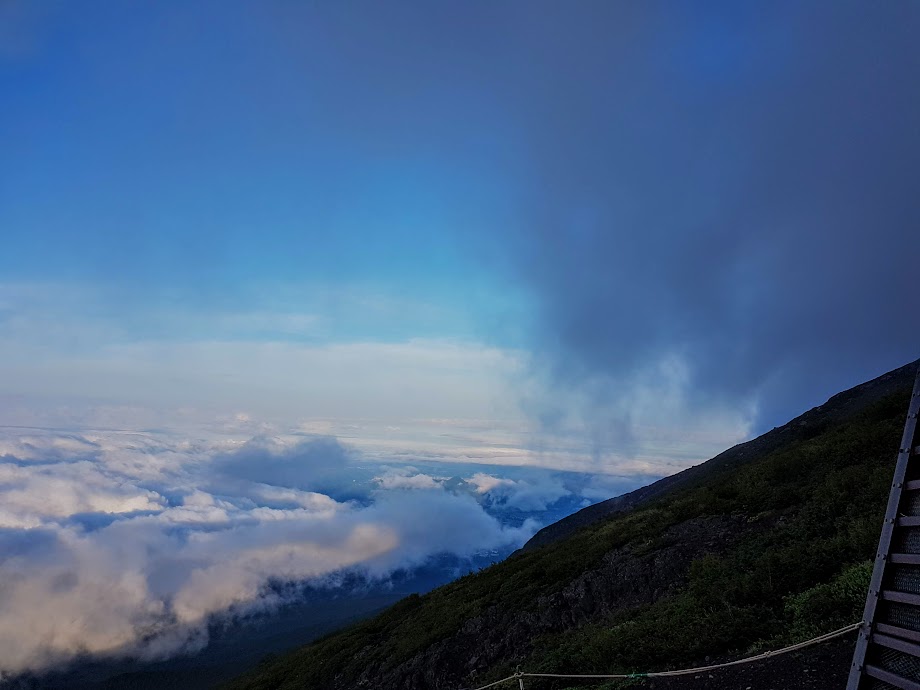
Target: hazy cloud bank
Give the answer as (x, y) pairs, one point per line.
(127, 543)
(116, 543)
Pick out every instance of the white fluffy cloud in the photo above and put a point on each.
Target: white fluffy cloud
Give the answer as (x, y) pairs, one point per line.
(60, 490)
(114, 544)
(407, 478)
(529, 495)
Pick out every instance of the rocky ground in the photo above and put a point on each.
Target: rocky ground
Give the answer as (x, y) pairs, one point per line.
(823, 667)
(623, 580)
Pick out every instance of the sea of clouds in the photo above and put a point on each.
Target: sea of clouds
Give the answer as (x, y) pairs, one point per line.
(116, 543)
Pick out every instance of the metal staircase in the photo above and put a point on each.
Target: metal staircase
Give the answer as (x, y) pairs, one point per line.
(887, 652)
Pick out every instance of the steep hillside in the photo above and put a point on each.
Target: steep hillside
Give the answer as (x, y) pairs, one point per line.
(765, 544)
(837, 409)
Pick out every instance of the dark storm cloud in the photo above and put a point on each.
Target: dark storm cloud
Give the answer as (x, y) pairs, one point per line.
(728, 185)
(316, 462)
(735, 185)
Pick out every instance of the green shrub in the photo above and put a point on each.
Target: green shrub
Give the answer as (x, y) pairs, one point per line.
(829, 605)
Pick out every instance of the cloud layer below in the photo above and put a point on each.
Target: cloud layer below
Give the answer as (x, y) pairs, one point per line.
(128, 544)
(122, 543)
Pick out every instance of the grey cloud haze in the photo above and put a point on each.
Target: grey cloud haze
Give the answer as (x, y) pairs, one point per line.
(731, 186)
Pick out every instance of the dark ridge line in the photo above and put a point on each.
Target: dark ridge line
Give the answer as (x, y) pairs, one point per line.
(837, 408)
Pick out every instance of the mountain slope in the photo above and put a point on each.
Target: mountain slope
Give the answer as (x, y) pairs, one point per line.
(836, 409)
(765, 544)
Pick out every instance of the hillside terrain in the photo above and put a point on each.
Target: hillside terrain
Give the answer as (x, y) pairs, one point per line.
(766, 544)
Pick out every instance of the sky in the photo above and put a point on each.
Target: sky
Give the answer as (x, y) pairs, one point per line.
(518, 239)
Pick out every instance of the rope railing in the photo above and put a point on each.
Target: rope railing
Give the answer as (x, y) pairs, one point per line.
(519, 676)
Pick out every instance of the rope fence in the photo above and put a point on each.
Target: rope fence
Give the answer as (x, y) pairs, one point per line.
(519, 676)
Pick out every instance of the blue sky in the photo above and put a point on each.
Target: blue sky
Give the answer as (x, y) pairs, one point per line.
(555, 212)
(208, 178)
(207, 154)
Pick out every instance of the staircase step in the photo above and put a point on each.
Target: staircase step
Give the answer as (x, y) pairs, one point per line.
(890, 678)
(901, 597)
(895, 631)
(896, 644)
